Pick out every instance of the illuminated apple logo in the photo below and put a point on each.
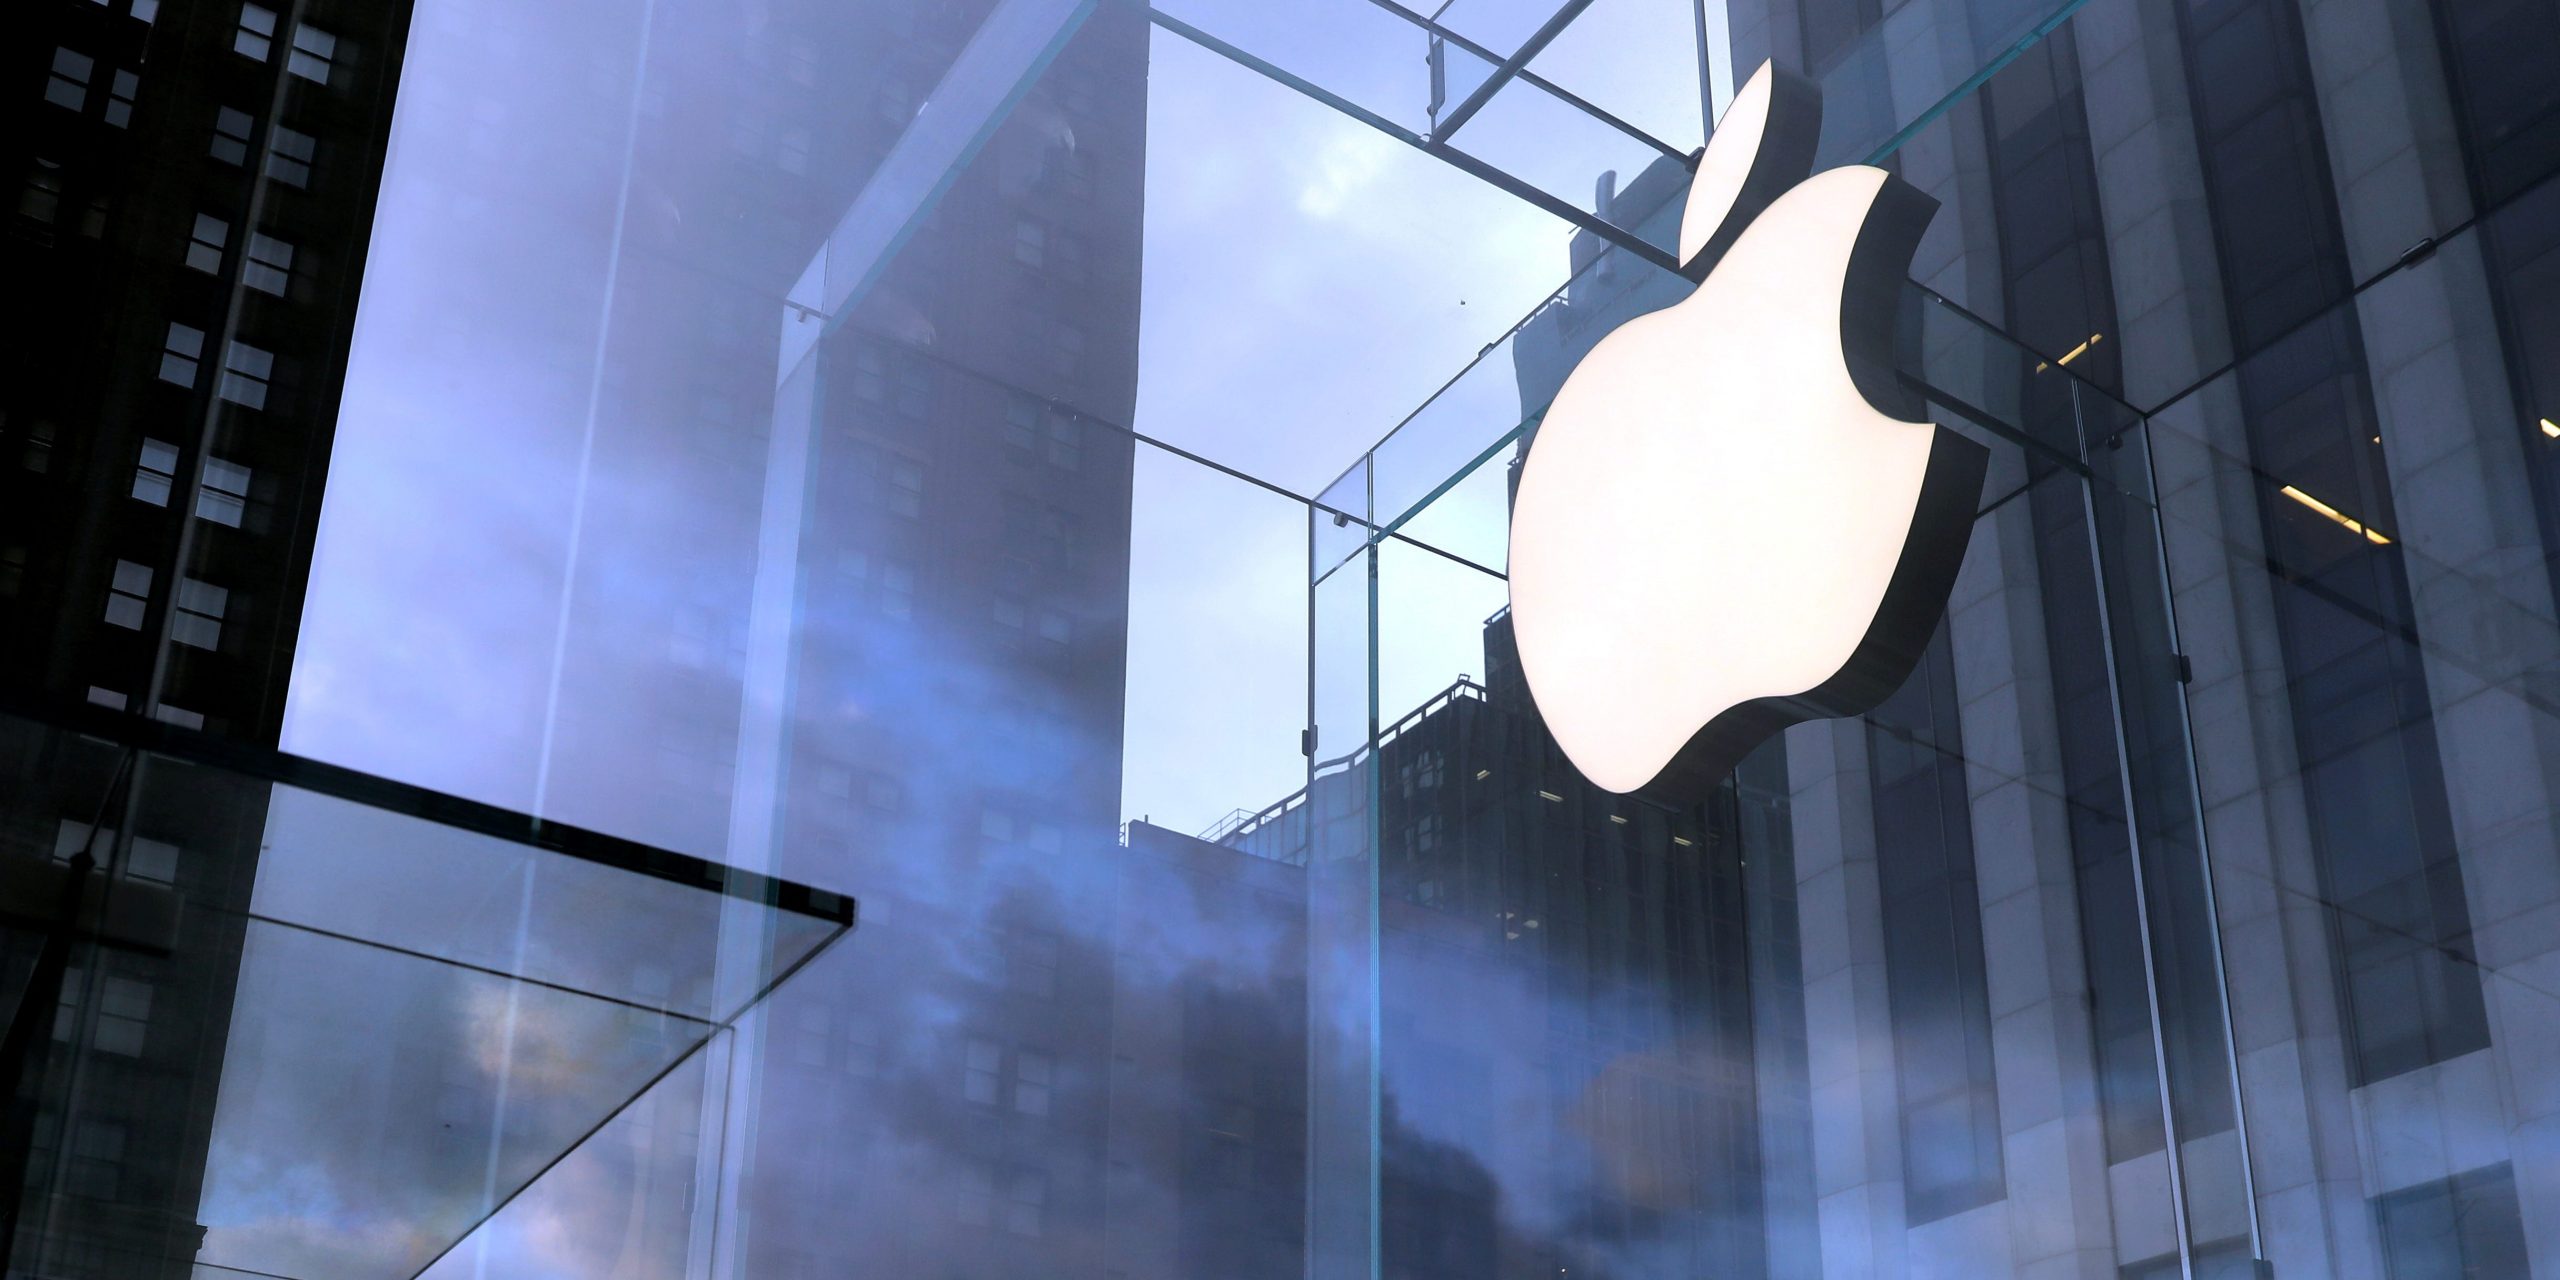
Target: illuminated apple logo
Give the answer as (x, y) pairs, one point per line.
(1731, 518)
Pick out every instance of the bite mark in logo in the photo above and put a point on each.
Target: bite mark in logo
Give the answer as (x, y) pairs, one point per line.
(1734, 516)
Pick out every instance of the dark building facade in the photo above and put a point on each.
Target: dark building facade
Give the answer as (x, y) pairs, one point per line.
(1564, 1022)
(195, 184)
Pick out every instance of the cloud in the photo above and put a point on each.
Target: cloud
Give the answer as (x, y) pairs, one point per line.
(1345, 166)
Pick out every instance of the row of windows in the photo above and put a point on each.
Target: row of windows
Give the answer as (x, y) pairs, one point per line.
(1025, 1090)
(71, 83)
(145, 11)
(1056, 252)
(290, 152)
(222, 497)
(124, 1013)
(246, 369)
(1022, 1208)
(144, 859)
(313, 53)
(266, 261)
(1019, 622)
(196, 619)
(1033, 428)
(166, 712)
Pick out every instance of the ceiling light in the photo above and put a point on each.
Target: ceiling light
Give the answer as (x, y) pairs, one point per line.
(2551, 429)
(2074, 353)
(2341, 518)
(1549, 795)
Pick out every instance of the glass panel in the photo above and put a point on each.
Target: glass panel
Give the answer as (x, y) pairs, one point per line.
(1533, 135)
(1345, 1226)
(1906, 71)
(1370, 54)
(620, 1200)
(1218, 636)
(1320, 285)
(1638, 60)
(1502, 25)
(330, 1033)
(584, 275)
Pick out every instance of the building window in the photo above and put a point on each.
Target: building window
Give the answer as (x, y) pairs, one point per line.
(870, 373)
(223, 497)
(269, 264)
(144, 858)
(231, 128)
(121, 91)
(128, 595)
(1031, 1075)
(153, 475)
(204, 244)
(315, 54)
(1030, 243)
(108, 698)
(124, 1013)
(256, 34)
(915, 389)
(1068, 358)
(39, 453)
(1031, 963)
(42, 198)
(1055, 628)
(289, 156)
(198, 620)
(906, 486)
(179, 354)
(68, 86)
(97, 1158)
(1066, 441)
(2372, 771)
(1026, 1199)
(170, 713)
(1936, 993)
(2465, 1225)
(245, 371)
(1022, 422)
(982, 1074)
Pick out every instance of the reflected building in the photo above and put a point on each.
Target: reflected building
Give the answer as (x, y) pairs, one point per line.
(2190, 911)
(193, 186)
(1563, 999)
(954, 728)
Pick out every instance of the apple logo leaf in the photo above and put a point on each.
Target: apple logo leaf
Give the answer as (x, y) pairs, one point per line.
(1734, 517)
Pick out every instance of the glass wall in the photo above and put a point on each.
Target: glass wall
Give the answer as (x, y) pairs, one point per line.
(536, 511)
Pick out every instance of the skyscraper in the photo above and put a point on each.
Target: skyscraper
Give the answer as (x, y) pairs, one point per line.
(194, 186)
